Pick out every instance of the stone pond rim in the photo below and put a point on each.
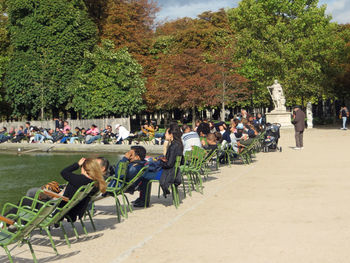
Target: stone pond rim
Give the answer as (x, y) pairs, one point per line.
(74, 148)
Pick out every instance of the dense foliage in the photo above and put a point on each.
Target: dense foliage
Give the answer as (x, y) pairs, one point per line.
(98, 58)
(108, 83)
(48, 40)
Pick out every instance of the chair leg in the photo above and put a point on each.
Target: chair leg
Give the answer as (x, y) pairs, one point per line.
(125, 208)
(92, 221)
(8, 254)
(147, 194)
(51, 240)
(83, 225)
(127, 201)
(117, 207)
(183, 185)
(31, 251)
(75, 230)
(65, 234)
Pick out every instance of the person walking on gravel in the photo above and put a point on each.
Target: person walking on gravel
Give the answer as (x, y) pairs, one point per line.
(344, 115)
(299, 125)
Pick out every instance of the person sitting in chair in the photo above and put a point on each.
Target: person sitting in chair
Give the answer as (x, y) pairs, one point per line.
(136, 161)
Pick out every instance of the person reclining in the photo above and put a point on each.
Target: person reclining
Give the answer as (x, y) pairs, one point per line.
(136, 161)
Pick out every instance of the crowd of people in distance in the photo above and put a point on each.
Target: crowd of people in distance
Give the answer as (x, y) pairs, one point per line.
(64, 134)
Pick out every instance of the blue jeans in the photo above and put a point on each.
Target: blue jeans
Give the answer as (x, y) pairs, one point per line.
(344, 122)
(73, 139)
(153, 176)
(93, 138)
(39, 138)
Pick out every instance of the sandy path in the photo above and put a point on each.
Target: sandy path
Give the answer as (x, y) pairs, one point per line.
(286, 207)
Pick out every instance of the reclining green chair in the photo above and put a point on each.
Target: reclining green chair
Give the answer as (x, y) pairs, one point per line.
(60, 213)
(23, 232)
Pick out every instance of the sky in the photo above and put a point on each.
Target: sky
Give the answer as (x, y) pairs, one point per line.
(170, 9)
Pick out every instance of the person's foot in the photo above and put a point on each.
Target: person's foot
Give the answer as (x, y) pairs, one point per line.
(301, 148)
(140, 203)
(296, 148)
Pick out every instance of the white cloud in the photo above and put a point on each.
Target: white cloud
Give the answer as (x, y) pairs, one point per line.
(339, 9)
(191, 9)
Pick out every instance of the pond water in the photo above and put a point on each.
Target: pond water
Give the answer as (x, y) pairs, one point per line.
(18, 173)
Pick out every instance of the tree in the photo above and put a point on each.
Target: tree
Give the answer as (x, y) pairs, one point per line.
(212, 77)
(130, 24)
(48, 38)
(109, 83)
(185, 81)
(291, 41)
(342, 80)
(4, 55)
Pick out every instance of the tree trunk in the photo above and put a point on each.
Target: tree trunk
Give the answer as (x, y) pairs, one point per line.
(222, 115)
(193, 117)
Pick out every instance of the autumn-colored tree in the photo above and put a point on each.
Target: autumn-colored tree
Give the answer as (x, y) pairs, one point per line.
(185, 81)
(130, 23)
(177, 43)
(342, 81)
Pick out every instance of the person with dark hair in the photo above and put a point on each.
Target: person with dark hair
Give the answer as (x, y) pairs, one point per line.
(92, 134)
(299, 125)
(107, 134)
(167, 175)
(4, 135)
(203, 129)
(19, 135)
(28, 130)
(344, 115)
(136, 161)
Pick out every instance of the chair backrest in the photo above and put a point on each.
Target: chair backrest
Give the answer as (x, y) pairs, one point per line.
(34, 222)
(177, 164)
(133, 180)
(79, 195)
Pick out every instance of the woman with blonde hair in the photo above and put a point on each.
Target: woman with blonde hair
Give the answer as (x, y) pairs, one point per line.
(90, 172)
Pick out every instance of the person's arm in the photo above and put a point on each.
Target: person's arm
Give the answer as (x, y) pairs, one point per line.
(67, 173)
(171, 159)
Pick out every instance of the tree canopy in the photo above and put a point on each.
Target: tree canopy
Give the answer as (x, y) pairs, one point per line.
(291, 41)
(48, 38)
(109, 83)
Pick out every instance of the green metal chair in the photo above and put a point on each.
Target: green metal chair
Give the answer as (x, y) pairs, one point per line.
(174, 190)
(23, 232)
(120, 189)
(60, 213)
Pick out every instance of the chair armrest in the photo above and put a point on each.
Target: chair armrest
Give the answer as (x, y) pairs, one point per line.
(7, 220)
(55, 195)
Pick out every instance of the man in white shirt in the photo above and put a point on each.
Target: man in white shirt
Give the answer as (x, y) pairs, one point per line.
(189, 138)
(123, 133)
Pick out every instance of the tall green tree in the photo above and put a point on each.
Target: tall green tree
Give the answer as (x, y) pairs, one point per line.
(4, 55)
(109, 83)
(292, 41)
(48, 38)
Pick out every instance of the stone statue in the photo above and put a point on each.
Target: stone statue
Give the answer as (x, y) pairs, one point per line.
(277, 96)
(309, 115)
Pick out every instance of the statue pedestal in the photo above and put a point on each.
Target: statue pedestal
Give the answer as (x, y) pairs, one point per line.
(281, 117)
